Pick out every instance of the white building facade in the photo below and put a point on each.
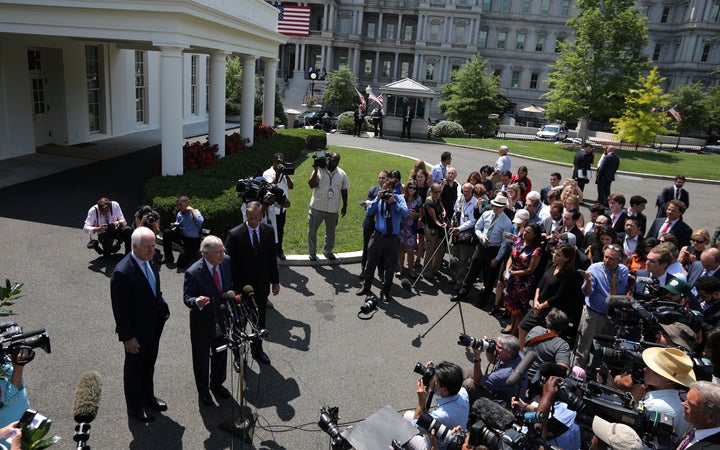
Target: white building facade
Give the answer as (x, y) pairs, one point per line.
(75, 71)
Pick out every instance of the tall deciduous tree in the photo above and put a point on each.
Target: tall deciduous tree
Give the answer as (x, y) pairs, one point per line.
(596, 70)
(472, 96)
(642, 117)
(712, 104)
(340, 90)
(690, 99)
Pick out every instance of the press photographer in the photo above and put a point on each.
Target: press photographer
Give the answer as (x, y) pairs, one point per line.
(185, 230)
(279, 175)
(503, 354)
(329, 184)
(107, 221)
(444, 381)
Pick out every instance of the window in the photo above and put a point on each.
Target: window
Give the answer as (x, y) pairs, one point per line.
(545, 7)
(345, 24)
(368, 67)
(715, 13)
(434, 32)
(486, 5)
(665, 15)
(525, 8)
(409, 32)
(140, 93)
(540, 44)
(505, 6)
(193, 84)
(497, 73)
(657, 52)
(430, 71)
(705, 53)
(38, 92)
(520, 42)
(534, 77)
(502, 37)
(34, 62)
(460, 33)
(645, 11)
(94, 93)
(558, 43)
(371, 30)
(387, 69)
(515, 81)
(565, 8)
(482, 38)
(390, 31)
(405, 69)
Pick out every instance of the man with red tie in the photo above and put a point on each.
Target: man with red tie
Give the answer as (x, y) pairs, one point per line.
(205, 281)
(674, 192)
(673, 224)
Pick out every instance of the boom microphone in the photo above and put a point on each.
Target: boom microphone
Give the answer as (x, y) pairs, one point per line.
(492, 414)
(87, 397)
(620, 301)
(519, 372)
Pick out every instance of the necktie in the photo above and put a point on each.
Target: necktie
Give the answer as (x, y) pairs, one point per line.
(613, 284)
(705, 273)
(677, 194)
(216, 279)
(150, 276)
(388, 219)
(665, 228)
(686, 442)
(256, 240)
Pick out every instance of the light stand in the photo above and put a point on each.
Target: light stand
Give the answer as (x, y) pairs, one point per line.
(313, 76)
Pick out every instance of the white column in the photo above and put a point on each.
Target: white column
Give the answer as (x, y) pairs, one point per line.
(171, 94)
(247, 102)
(376, 72)
(297, 58)
(399, 27)
(329, 59)
(414, 74)
(216, 121)
(379, 26)
(303, 67)
(325, 18)
(331, 18)
(395, 66)
(269, 91)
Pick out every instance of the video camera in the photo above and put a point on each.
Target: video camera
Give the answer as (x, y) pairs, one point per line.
(13, 340)
(320, 158)
(635, 319)
(286, 168)
(258, 189)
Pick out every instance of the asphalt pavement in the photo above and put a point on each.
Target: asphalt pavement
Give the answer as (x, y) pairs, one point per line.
(322, 353)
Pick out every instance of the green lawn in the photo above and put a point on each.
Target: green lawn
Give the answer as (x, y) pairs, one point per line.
(639, 161)
(361, 167)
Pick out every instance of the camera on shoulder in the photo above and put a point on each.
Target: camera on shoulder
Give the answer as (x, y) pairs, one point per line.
(320, 158)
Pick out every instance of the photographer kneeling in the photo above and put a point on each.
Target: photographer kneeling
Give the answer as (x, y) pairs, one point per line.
(505, 355)
(453, 405)
(107, 221)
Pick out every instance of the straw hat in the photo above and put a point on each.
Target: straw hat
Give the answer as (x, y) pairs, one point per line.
(499, 200)
(671, 363)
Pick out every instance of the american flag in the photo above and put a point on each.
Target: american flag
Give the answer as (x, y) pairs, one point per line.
(378, 99)
(293, 20)
(363, 104)
(675, 112)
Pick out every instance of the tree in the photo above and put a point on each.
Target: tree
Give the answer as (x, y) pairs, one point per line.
(642, 117)
(279, 110)
(690, 100)
(593, 73)
(340, 90)
(472, 96)
(233, 85)
(712, 104)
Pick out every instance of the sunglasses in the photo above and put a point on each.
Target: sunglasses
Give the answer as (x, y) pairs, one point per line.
(698, 241)
(435, 192)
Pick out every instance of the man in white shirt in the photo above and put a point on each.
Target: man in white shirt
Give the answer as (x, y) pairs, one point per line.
(277, 175)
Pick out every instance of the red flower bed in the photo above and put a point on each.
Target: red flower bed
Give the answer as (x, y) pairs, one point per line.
(197, 155)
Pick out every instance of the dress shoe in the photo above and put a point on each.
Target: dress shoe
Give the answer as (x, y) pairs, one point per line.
(386, 296)
(140, 414)
(206, 400)
(281, 255)
(362, 291)
(220, 391)
(462, 293)
(270, 305)
(330, 256)
(156, 404)
(312, 257)
(261, 357)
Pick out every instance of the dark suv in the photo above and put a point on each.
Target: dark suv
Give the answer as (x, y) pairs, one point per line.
(313, 118)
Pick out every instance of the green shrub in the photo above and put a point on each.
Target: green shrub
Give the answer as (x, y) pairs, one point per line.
(447, 128)
(212, 189)
(346, 122)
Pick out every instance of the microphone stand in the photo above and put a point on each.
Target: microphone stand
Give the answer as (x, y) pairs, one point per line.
(82, 434)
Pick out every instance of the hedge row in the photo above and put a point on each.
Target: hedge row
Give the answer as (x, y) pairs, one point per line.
(212, 189)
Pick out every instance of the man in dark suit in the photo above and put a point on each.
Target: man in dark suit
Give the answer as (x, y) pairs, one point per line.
(581, 165)
(205, 282)
(676, 191)
(702, 411)
(706, 266)
(637, 206)
(140, 314)
(407, 122)
(673, 224)
(251, 247)
(606, 174)
(359, 116)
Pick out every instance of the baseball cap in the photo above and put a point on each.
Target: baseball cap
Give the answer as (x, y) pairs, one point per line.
(521, 215)
(617, 436)
(567, 238)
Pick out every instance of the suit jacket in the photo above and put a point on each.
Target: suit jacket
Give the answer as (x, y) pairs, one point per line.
(257, 268)
(607, 168)
(668, 194)
(619, 226)
(582, 161)
(138, 313)
(711, 442)
(199, 281)
(696, 270)
(680, 230)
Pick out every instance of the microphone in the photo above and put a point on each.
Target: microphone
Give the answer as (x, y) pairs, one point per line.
(620, 301)
(493, 414)
(230, 295)
(249, 294)
(519, 372)
(87, 397)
